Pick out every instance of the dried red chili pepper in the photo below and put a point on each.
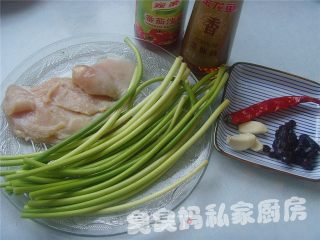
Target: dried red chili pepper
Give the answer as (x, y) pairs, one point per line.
(267, 106)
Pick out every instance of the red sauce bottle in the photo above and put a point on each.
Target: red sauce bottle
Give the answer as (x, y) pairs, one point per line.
(160, 21)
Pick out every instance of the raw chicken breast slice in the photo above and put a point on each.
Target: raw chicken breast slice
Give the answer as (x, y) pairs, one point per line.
(75, 122)
(110, 77)
(48, 123)
(52, 110)
(40, 125)
(18, 100)
(63, 93)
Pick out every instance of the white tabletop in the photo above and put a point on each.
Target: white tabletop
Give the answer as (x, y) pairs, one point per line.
(280, 34)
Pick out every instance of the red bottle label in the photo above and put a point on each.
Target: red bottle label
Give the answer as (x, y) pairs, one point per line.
(159, 21)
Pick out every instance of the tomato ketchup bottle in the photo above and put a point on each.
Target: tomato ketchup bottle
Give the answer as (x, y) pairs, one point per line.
(160, 21)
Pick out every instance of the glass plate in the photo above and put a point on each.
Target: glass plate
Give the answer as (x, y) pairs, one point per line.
(57, 60)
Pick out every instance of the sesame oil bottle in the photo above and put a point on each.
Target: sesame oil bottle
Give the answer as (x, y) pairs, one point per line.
(209, 35)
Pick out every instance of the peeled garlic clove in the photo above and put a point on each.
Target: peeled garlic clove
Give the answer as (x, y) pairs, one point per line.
(253, 127)
(257, 146)
(241, 142)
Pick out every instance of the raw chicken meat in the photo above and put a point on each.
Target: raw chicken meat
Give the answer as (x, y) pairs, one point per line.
(63, 93)
(59, 107)
(110, 77)
(18, 100)
(52, 110)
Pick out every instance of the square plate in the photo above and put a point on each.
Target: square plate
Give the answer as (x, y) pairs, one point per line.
(250, 83)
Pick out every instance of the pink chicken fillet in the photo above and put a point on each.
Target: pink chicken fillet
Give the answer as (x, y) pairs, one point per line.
(59, 107)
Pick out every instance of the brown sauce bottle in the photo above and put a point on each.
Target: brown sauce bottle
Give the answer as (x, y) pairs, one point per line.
(209, 35)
